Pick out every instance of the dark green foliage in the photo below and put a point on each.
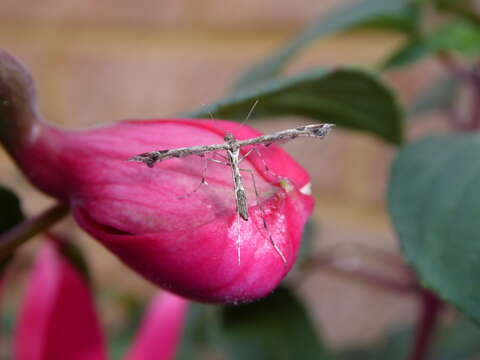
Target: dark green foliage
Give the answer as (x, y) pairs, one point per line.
(350, 98)
(391, 14)
(461, 37)
(433, 198)
(460, 341)
(462, 8)
(10, 210)
(276, 327)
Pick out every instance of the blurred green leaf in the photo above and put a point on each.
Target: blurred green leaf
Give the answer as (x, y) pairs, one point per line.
(460, 341)
(434, 201)
(350, 98)
(308, 237)
(10, 215)
(393, 14)
(121, 338)
(394, 347)
(10, 210)
(464, 8)
(406, 20)
(462, 37)
(441, 94)
(201, 335)
(275, 328)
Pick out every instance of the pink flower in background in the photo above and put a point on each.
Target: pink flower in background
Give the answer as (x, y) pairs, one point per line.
(185, 245)
(58, 320)
(160, 332)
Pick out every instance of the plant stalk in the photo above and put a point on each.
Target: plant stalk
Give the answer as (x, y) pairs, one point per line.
(431, 307)
(407, 285)
(19, 234)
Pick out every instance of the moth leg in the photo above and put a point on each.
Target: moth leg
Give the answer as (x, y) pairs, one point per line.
(265, 225)
(246, 155)
(218, 161)
(202, 182)
(223, 157)
(267, 169)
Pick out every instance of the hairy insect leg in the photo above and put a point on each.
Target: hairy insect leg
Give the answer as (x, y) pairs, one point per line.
(267, 169)
(221, 156)
(202, 182)
(246, 155)
(262, 159)
(219, 162)
(265, 226)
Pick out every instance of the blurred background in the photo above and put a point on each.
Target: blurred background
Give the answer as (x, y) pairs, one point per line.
(98, 62)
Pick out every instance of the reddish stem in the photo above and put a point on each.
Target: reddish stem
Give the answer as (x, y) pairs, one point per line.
(406, 285)
(431, 307)
(453, 66)
(471, 76)
(374, 279)
(475, 121)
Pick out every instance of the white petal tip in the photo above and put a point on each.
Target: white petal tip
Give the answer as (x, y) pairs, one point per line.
(306, 189)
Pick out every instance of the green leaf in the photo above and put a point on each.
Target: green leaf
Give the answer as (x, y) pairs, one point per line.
(460, 341)
(462, 37)
(434, 201)
(10, 210)
(201, 336)
(120, 338)
(10, 215)
(307, 246)
(354, 14)
(404, 21)
(394, 347)
(276, 327)
(441, 94)
(463, 8)
(350, 98)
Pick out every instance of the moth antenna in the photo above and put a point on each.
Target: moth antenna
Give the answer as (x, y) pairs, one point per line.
(249, 113)
(215, 121)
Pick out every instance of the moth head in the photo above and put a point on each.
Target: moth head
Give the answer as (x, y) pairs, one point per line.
(228, 137)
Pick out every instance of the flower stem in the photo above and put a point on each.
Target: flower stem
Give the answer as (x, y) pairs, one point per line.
(18, 235)
(403, 283)
(471, 77)
(431, 306)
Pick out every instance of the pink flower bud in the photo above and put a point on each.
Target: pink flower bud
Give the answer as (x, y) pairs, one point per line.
(57, 319)
(187, 245)
(161, 329)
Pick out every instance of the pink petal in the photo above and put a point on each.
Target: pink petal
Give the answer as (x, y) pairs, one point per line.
(161, 329)
(57, 318)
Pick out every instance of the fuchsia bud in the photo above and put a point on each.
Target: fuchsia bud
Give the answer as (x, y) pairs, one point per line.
(186, 245)
(161, 329)
(57, 319)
